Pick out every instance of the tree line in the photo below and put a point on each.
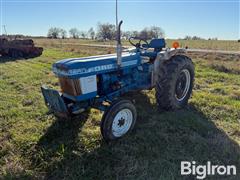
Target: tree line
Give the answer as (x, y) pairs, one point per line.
(105, 31)
(198, 38)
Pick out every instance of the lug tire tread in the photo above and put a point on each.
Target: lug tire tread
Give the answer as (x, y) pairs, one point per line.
(165, 86)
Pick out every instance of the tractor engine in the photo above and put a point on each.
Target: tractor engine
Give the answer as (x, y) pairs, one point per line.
(113, 81)
(110, 82)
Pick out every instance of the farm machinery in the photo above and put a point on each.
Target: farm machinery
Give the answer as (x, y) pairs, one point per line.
(100, 81)
(19, 48)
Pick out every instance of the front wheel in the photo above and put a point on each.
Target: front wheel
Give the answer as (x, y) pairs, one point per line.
(118, 120)
(175, 83)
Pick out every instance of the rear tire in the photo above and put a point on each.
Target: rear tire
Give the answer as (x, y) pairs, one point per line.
(14, 53)
(175, 83)
(118, 120)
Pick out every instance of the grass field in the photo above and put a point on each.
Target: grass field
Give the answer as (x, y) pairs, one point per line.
(36, 145)
(201, 44)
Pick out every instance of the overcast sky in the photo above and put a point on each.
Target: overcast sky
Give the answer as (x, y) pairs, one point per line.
(204, 18)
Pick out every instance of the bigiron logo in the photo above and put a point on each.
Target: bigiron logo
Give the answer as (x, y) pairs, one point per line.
(202, 171)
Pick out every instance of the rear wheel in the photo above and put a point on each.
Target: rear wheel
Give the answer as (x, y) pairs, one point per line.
(14, 53)
(118, 120)
(175, 83)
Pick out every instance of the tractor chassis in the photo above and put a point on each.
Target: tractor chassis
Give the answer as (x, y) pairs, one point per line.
(60, 108)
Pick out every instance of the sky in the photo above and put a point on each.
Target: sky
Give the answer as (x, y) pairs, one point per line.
(178, 18)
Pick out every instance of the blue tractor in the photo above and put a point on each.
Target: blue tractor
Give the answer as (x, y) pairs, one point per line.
(99, 82)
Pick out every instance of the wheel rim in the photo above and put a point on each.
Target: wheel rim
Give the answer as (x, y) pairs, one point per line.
(122, 122)
(183, 85)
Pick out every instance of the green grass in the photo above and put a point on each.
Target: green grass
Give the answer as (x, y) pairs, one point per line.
(36, 145)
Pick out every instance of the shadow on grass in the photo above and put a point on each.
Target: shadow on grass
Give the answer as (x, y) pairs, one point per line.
(4, 59)
(154, 150)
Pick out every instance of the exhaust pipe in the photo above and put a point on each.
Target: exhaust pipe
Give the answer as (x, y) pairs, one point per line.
(119, 45)
(118, 38)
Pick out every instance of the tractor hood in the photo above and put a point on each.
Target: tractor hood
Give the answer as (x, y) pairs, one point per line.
(80, 67)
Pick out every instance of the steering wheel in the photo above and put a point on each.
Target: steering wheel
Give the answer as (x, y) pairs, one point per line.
(139, 44)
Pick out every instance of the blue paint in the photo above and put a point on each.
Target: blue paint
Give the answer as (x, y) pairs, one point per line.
(82, 67)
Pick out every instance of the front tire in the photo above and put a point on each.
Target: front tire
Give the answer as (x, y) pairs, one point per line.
(175, 83)
(118, 120)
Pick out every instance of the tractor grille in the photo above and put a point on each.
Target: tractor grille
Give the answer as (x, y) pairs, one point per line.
(70, 86)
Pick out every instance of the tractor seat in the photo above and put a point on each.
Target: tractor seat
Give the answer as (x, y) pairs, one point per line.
(157, 45)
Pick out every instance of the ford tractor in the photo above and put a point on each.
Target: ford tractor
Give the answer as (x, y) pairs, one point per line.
(99, 82)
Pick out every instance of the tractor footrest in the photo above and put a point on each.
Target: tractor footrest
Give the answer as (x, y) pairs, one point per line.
(54, 102)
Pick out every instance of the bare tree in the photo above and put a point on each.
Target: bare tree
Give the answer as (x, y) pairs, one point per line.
(196, 38)
(144, 34)
(193, 38)
(74, 33)
(135, 33)
(152, 32)
(83, 34)
(106, 31)
(91, 33)
(53, 33)
(156, 32)
(187, 37)
(63, 33)
(126, 34)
